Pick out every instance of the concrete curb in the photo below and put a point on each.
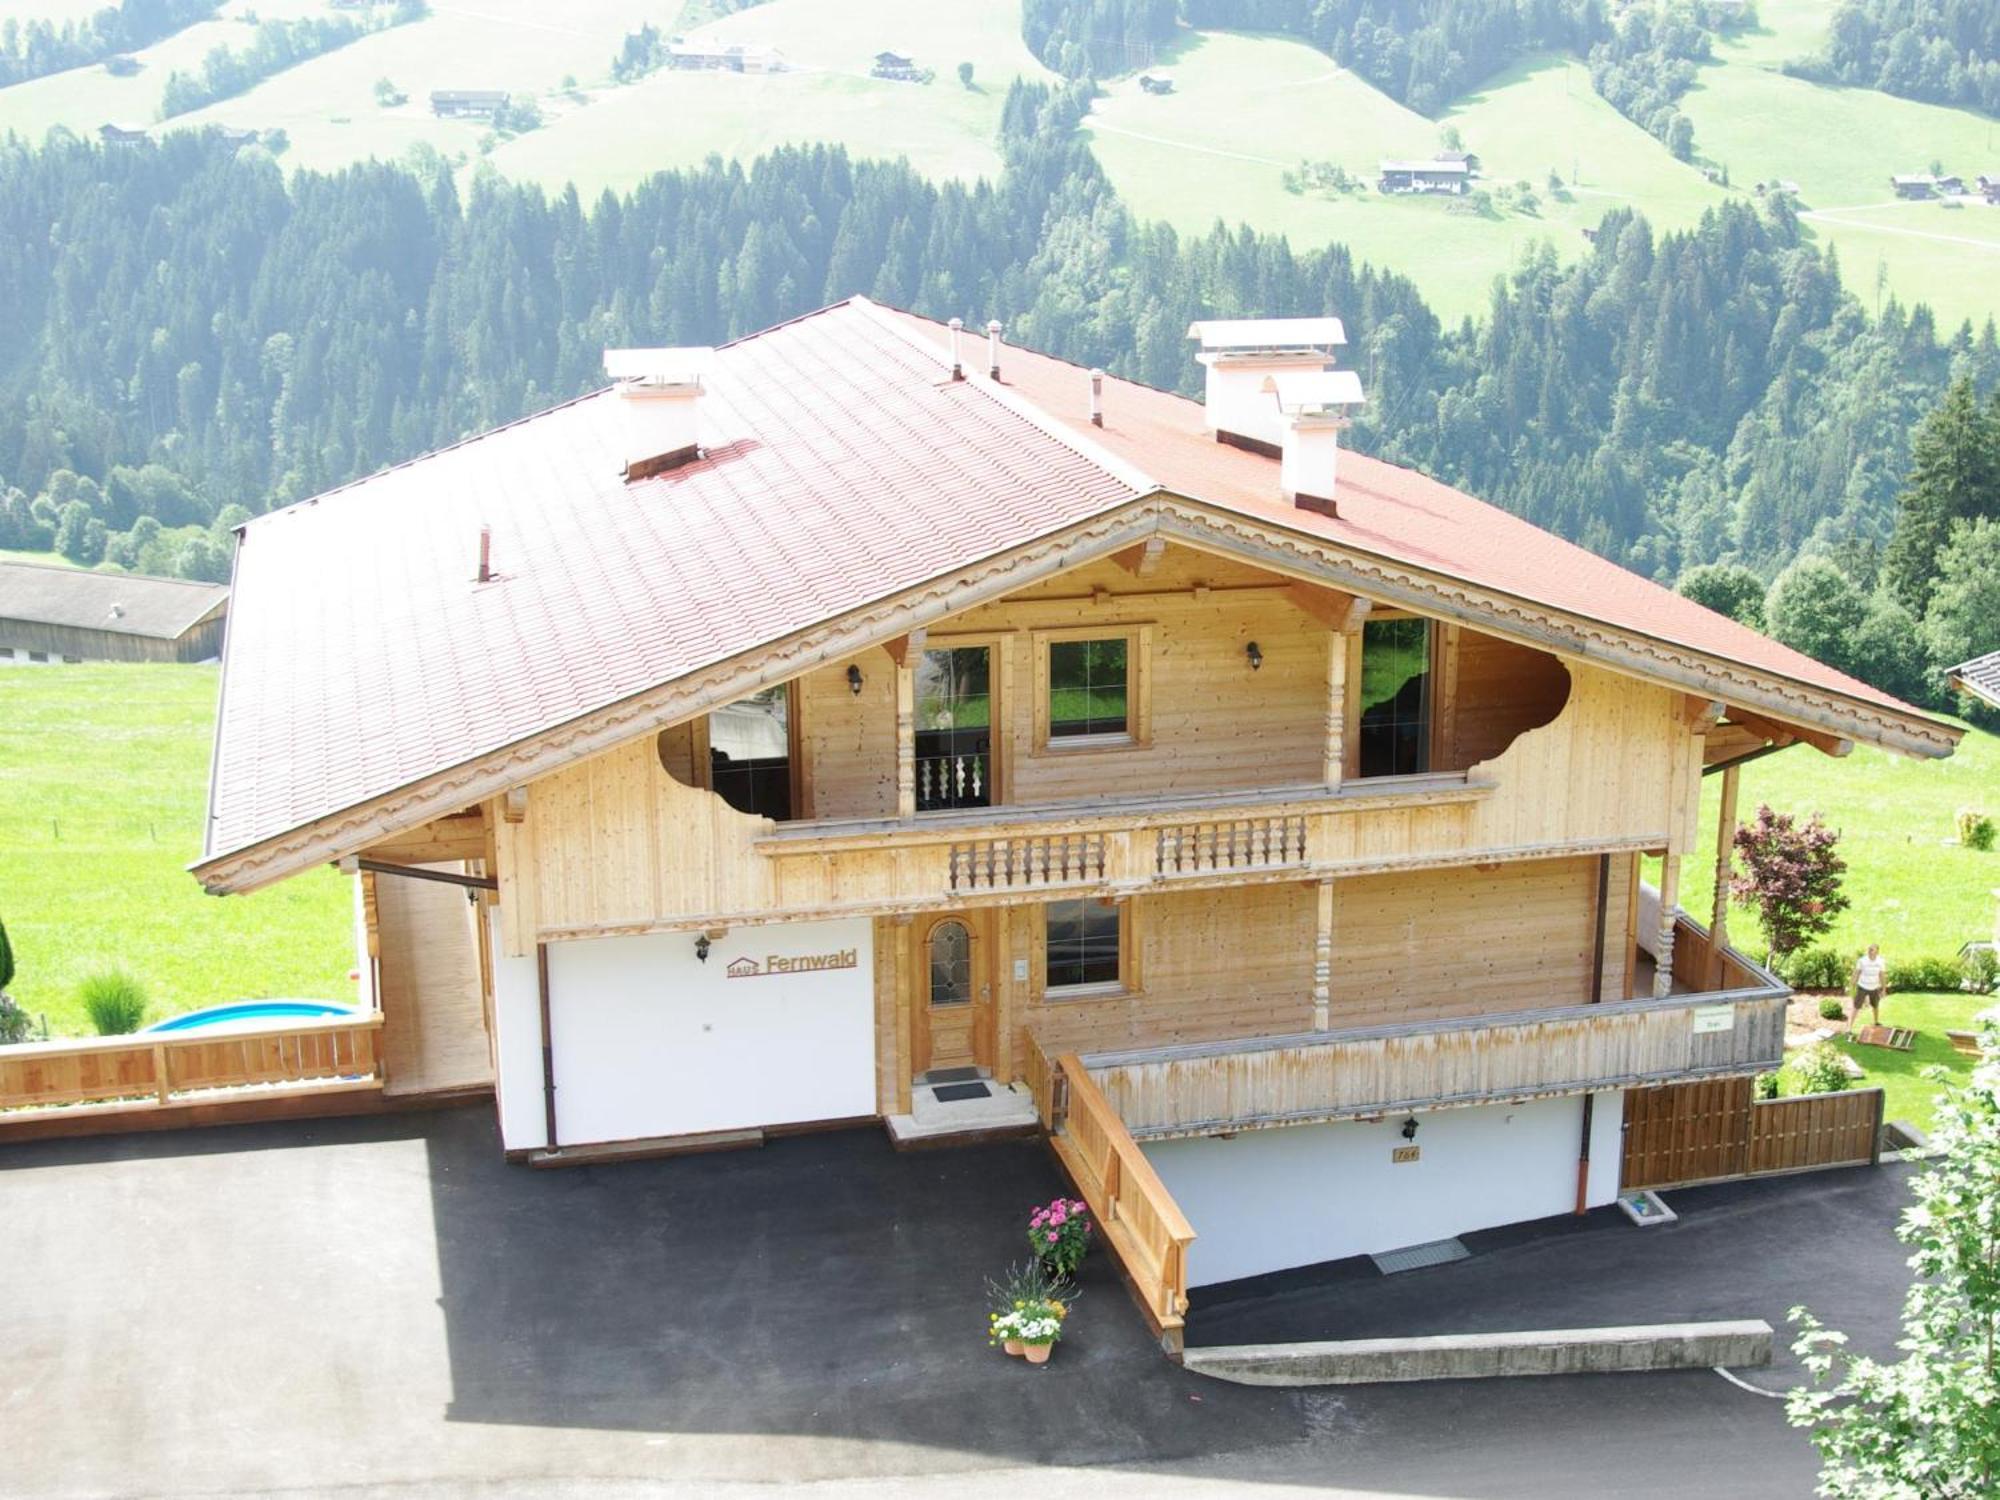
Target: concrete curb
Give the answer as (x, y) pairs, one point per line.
(1472, 1356)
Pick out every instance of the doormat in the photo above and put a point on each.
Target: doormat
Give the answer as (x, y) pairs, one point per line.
(1416, 1257)
(951, 1075)
(951, 1093)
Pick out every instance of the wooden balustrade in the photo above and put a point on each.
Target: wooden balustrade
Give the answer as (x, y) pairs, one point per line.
(149, 1069)
(1035, 862)
(1266, 843)
(1136, 1215)
(1203, 1088)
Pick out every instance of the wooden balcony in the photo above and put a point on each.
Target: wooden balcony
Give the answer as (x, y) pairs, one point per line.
(1114, 846)
(1207, 1088)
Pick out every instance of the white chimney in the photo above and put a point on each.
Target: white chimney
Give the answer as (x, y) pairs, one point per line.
(1312, 409)
(1241, 354)
(659, 397)
(993, 349)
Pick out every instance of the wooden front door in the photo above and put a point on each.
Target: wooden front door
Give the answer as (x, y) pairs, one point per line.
(953, 1021)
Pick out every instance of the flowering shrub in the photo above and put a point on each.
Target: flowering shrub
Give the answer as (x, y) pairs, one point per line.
(1791, 874)
(1059, 1233)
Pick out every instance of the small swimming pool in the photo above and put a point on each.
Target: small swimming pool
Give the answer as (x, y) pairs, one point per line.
(254, 1012)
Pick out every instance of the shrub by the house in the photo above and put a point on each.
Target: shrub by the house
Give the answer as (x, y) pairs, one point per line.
(114, 1001)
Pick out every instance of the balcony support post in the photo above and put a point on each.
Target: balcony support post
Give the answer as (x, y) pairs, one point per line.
(906, 736)
(1336, 708)
(1725, 848)
(1323, 958)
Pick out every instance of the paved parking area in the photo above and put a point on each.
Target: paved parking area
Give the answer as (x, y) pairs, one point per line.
(385, 1307)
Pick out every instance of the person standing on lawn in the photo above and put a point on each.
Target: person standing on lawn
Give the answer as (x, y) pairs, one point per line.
(1869, 970)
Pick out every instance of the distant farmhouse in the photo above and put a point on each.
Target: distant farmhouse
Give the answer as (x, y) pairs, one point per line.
(736, 57)
(50, 614)
(1156, 83)
(1467, 159)
(1926, 185)
(1451, 177)
(1989, 186)
(120, 135)
(468, 104)
(896, 66)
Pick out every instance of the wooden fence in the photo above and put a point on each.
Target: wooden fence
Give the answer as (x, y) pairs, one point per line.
(160, 1069)
(1714, 1129)
(1136, 1214)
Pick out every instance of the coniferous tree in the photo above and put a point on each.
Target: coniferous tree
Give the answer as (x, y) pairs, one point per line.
(1954, 476)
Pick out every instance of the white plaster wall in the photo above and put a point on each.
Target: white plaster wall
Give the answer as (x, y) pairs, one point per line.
(1269, 1200)
(650, 1041)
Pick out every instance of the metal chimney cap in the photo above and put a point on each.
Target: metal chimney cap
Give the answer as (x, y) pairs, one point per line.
(1308, 391)
(660, 367)
(1267, 335)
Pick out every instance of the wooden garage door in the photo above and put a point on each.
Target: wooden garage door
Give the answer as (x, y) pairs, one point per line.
(1687, 1132)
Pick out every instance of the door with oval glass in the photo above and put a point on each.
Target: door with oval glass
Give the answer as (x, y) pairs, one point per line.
(953, 1009)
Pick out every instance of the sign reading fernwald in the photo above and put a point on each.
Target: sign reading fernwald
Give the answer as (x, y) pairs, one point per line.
(1709, 1018)
(783, 963)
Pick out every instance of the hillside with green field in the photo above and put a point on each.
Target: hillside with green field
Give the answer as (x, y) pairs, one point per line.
(103, 787)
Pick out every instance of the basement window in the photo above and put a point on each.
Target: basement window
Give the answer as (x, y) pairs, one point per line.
(1084, 949)
(1395, 697)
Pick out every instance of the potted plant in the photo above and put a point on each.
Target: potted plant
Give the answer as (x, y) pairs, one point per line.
(1059, 1234)
(1023, 1287)
(1033, 1328)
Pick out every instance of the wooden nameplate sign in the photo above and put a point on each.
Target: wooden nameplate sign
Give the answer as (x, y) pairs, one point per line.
(1900, 1038)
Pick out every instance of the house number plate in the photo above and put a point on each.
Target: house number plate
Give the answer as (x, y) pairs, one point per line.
(1406, 1153)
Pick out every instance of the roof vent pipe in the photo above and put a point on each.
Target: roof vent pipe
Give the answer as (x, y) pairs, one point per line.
(659, 399)
(1312, 409)
(957, 363)
(1096, 398)
(993, 350)
(485, 573)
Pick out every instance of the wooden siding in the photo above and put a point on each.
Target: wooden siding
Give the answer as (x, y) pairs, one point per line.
(202, 642)
(613, 844)
(1493, 692)
(434, 1032)
(1205, 1090)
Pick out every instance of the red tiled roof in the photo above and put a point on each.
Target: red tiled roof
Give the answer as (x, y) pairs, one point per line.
(842, 467)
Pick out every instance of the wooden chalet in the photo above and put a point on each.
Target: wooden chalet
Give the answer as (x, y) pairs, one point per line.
(868, 722)
(1156, 83)
(468, 104)
(1435, 176)
(55, 614)
(899, 67)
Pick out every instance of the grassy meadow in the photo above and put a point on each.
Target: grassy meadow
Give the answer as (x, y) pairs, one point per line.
(103, 785)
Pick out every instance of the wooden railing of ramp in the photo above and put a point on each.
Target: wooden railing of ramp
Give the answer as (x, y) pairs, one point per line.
(43, 1082)
(1136, 1215)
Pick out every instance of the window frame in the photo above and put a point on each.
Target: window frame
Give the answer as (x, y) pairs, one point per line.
(701, 766)
(1125, 986)
(999, 666)
(1357, 666)
(1138, 731)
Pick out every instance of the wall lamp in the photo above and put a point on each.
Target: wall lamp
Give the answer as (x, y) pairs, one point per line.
(1410, 1128)
(854, 680)
(1256, 656)
(701, 947)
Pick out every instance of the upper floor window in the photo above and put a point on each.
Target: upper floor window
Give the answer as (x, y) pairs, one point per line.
(954, 729)
(1395, 697)
(750, 753)
(1084, 947)
(1090, 687)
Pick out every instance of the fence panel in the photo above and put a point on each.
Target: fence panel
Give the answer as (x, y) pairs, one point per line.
(1816, 1130)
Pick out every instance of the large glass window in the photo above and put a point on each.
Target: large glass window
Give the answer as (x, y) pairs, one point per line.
(1082, 942)
(1087, 687)
(1395, 697)
(951, 964)
(750, 754)
(954, 729)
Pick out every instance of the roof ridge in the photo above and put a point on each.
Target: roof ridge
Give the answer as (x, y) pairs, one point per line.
(1020, 405)
(122, 574)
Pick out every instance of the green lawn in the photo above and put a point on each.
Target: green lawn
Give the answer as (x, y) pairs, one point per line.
(1907, 1094)
(1913, 890)
(103, 781)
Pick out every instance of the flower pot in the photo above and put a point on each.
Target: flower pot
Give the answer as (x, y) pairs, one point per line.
(1037, 1354)
(1012, 1346)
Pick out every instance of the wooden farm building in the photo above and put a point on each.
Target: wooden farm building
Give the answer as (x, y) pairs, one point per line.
(721, 57)
(868, 722)
(53, 614)
(468, 104)
(1156, 83)
(1437, 176)
(896, 66)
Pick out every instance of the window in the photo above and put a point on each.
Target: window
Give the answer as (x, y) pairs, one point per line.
(1085, 941)
(1395, 697)
(750, 754)
(1090, 687)
(954, 728)
(951, 964)
(1087, 682)
(38, 656)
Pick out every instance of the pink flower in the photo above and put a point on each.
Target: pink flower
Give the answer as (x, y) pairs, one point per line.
(1052, 1236)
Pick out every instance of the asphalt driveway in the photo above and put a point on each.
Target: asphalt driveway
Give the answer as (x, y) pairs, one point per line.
(385, 1306)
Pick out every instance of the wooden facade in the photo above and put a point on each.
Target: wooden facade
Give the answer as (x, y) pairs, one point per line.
(35, 641)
